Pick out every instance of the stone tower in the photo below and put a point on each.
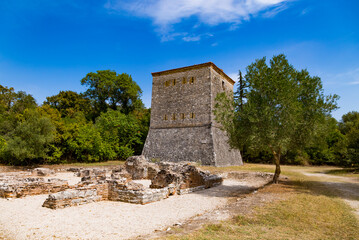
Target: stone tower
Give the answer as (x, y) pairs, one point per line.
(182, 124)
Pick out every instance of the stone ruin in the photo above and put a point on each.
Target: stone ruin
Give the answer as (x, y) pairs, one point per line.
(15, 185)
(137, 181)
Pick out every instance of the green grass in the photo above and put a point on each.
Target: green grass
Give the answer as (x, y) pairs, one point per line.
(311, 210)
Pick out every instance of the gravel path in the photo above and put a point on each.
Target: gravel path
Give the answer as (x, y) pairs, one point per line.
(26, 219)
(348, 187)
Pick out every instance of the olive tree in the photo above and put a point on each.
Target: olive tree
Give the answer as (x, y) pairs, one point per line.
(281, 110)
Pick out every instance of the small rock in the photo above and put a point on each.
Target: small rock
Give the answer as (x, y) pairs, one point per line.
(42, 171)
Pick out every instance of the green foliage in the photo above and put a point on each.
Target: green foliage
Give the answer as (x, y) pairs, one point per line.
(89, 146)
(143, 117)
(349, 127)
(107, 122)
(2, 143)
(22, 102)
(69, 102)
(7, 98)
(29, 141)
(67, 129)
(107, 89)
(282, 109)
(122, 131)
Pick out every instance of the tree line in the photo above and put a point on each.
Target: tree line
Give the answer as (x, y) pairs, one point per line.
(106, 122)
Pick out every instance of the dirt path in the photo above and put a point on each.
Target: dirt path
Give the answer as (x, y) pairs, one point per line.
(348, 188)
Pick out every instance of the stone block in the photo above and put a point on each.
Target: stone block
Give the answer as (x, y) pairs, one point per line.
(164, 178)
(120, 172)
(70, 198)
(42, 171)
(137, 167)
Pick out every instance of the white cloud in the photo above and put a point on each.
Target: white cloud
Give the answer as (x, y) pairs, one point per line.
(305, 11)
(350, 77)
(191, 39)
(275, 11)
(166, 13)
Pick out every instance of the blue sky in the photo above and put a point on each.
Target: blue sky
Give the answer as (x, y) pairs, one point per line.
(48, 45)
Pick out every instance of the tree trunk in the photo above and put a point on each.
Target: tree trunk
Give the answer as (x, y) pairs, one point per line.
(277, 166)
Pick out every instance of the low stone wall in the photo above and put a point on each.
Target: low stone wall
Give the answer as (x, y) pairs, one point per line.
(213, 181)
(139, 197)
(131, 192)
(209, 181)
(71, 197)
(101, 188)
(15, 188)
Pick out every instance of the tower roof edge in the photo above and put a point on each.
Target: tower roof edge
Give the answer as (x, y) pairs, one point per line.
(196, 66)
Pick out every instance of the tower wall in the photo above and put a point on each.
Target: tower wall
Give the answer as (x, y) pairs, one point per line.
(180, 144)
(182, 126)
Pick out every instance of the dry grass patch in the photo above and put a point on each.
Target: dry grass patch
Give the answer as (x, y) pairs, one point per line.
(344, 172)
(302, 216)
(246, 167)
(310, 210)
(4, 168)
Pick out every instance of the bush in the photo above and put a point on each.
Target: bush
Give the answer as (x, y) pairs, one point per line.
(28, 142)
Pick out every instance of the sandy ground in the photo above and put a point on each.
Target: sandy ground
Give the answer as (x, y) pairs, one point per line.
(26, 219)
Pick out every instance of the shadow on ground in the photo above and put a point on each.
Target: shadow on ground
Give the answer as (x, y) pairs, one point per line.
(344, 190)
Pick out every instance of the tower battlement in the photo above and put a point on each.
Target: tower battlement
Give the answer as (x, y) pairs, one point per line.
(182, 124)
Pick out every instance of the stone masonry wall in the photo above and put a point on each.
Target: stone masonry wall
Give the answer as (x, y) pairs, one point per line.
(184, 97)
(180, 144)
(182, 124)
(223, 154)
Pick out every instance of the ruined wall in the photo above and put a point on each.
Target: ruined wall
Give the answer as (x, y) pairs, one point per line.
(73, 197)
(21, 187)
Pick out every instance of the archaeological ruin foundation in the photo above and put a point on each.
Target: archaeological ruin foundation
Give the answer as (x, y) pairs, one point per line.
(137, 181)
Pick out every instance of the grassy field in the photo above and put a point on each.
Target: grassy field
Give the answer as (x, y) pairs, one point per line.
(311, 210)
